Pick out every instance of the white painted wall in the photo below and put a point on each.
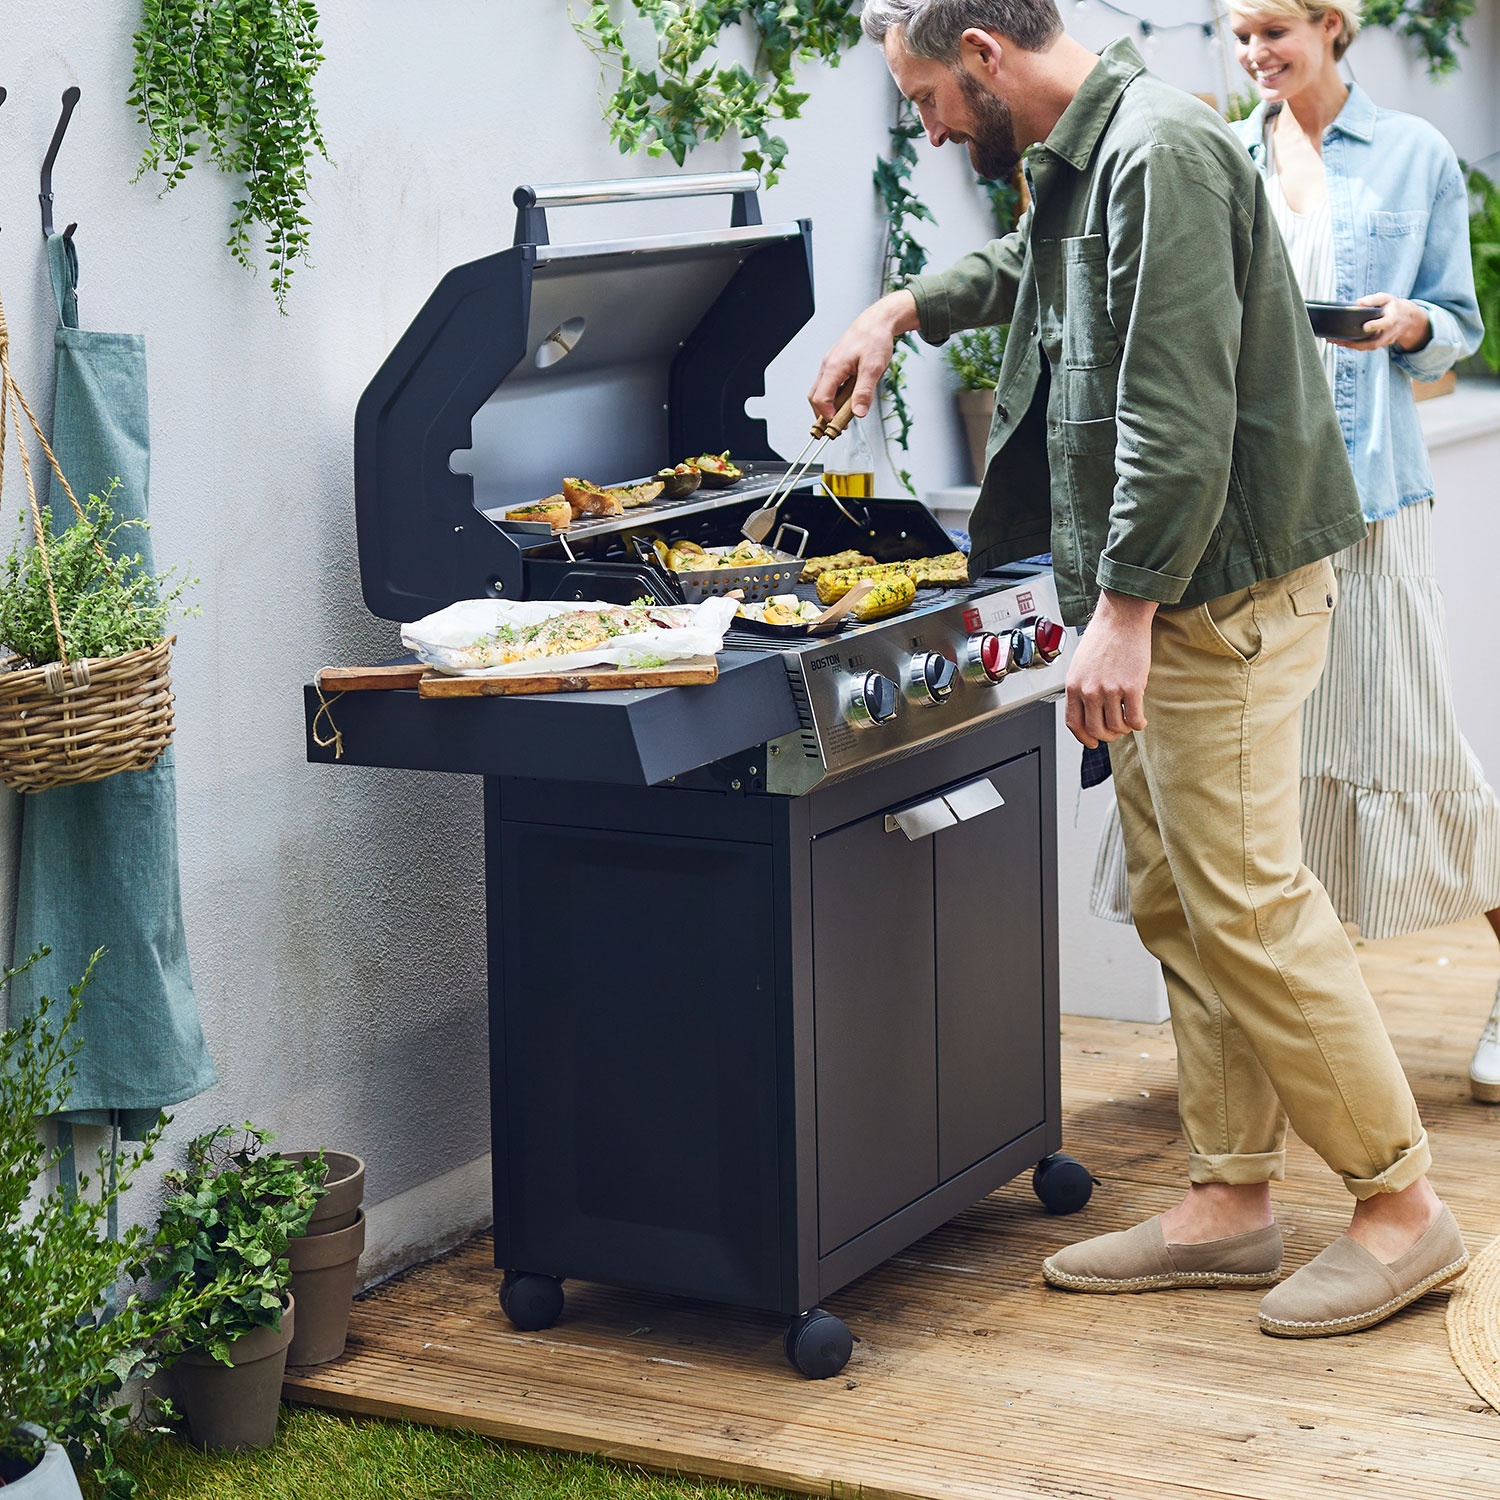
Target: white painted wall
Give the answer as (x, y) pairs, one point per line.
(335, 916)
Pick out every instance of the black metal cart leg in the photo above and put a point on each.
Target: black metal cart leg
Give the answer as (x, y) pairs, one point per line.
(1062, 1183)
(531, 1301)
(818, 1344)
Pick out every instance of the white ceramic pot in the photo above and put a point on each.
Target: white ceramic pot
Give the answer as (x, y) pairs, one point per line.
(52, 1479)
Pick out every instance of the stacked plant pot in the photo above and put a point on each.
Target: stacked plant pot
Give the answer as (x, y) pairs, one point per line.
(236, 1406)
(325, 1261)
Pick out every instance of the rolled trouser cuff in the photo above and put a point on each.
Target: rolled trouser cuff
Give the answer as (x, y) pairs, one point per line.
(1410, 1166)
(1237, 1170)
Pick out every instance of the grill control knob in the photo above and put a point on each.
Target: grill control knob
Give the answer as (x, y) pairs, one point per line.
(872, 699)
(1023, 649)
(1044, 641)
(931, 679)
(987, 657)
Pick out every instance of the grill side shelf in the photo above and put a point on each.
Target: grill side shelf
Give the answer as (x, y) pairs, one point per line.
(632, 738)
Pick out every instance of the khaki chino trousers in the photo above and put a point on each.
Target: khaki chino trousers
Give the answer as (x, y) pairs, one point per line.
(1272, 1019)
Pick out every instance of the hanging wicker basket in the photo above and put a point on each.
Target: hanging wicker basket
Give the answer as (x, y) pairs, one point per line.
(87, 720)
(79, 718)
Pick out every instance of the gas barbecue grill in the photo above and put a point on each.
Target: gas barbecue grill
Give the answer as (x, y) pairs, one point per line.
(772, 962)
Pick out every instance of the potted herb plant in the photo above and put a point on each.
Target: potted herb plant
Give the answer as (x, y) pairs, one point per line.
(974, 358)
(62, 1362)
(84, 693)
(232, 1209)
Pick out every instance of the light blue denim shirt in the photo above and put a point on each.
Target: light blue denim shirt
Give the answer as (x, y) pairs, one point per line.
(1400, 214)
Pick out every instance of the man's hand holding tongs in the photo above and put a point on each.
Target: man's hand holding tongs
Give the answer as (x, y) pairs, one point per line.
(864, 351)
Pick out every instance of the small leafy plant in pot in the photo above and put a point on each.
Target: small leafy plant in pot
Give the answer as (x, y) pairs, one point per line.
(974, 359)
(83, 634)
(62, 1361)
(231, 1212)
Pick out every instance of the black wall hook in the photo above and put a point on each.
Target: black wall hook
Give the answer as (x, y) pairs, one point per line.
(70, 99)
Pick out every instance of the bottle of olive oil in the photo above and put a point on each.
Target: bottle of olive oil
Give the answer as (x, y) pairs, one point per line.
(849, 464)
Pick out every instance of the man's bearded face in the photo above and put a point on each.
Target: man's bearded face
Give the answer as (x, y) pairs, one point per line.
(992, 138)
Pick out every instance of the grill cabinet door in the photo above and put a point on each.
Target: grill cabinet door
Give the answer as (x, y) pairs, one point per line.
(990, 1013)
(873, 987)
(635, 1067)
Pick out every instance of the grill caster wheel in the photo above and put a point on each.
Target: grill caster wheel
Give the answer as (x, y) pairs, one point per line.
(818, 1344)
(531, 1301)
(1062, 1183)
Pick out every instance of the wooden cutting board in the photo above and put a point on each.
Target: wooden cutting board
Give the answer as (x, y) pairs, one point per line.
(684, 673)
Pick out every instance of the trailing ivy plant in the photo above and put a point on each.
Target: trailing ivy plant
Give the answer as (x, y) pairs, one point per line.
(1436, 26)
(236, 76)
(63, 1362)
(682, 96)
(902, 255)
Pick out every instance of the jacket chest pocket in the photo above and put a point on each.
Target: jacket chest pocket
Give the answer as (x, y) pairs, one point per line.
(1088, 337)
(1397, 240)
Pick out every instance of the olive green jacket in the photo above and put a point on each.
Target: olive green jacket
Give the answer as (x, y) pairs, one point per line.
(1162, 420)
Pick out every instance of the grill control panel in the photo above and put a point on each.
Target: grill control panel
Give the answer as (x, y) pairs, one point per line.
(897, 685)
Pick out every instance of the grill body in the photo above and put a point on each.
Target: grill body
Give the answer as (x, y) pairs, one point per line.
(771, 994)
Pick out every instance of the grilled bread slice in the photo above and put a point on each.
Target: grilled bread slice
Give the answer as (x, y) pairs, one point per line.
(554, 510)
(588, 499)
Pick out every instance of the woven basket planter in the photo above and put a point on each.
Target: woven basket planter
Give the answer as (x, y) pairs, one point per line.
(87, 720)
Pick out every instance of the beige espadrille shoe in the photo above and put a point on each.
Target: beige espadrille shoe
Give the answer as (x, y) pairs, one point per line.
(1140, 1260)
(1344, 1288)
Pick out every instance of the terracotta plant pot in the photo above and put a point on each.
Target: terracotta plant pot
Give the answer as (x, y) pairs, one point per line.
(324, 1269)
(229, 1407)
(345, 1181)
(51, 1479)
(977, 408)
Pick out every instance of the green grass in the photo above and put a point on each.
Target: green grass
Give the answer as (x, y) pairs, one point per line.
(319, 1456)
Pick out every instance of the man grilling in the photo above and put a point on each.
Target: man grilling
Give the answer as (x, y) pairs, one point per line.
(1191, 490)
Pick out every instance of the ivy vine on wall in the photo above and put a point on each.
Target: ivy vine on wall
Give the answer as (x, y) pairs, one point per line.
(902, 255)
(236, 76)
(683, 97)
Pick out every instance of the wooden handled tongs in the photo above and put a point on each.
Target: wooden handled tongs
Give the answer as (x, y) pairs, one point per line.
(758, 523)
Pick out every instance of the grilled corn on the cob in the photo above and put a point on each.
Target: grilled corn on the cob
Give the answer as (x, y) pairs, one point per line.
(889, 596)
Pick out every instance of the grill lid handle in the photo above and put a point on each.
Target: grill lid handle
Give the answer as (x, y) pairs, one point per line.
(532, 203)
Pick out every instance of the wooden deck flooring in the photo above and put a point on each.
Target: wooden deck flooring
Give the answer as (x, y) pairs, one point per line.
(973, 1379)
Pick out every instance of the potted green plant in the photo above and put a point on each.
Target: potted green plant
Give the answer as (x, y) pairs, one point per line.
(974, 358)
(62, 1361)
(231, 1211)
(83, 626)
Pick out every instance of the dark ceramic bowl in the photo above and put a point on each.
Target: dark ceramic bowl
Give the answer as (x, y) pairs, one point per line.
(1338, 320)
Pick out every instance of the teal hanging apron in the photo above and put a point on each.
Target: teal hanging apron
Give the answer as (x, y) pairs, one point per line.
(98, 865)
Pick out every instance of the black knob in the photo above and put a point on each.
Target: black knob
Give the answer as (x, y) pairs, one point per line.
(938, 673)
(880, 698)
(1022, 648)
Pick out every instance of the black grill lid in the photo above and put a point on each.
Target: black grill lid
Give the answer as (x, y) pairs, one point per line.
(605, 360)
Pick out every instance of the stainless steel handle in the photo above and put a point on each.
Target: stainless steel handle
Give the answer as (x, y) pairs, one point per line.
(636, 189)
(971, 800)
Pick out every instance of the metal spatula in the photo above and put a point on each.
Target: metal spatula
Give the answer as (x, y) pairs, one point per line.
(760, 523)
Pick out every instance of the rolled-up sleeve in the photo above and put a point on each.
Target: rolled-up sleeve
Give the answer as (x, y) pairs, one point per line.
(1177, 248)
(1444, 285)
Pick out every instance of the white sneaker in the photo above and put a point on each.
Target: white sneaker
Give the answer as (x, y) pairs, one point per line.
(1484, 1070)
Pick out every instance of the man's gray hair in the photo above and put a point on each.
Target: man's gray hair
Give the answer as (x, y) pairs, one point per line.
(932, 28)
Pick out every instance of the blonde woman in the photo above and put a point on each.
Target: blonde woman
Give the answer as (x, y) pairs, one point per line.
(1398, 820)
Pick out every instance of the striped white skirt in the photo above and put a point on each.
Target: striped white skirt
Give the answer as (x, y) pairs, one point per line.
(1398, 821)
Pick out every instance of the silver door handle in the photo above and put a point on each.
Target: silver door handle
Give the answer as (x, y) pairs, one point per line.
(958, 806)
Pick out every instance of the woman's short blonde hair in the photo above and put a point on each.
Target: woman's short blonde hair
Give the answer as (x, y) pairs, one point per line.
(1307, 10)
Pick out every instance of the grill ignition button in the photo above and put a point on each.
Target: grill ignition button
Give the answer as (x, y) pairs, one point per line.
(872, 699)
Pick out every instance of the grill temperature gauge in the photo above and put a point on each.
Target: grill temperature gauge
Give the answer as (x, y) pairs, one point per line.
(872, 699)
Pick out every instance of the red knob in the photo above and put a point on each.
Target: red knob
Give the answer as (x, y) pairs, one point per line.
(994, 656)
(1049, 639)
